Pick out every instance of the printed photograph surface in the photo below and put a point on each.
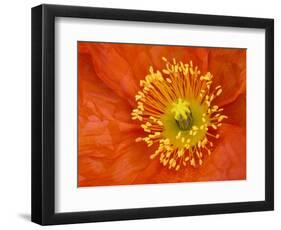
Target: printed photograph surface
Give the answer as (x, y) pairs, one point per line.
(150, 114)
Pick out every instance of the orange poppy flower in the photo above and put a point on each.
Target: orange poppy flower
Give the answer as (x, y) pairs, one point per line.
(110, 76)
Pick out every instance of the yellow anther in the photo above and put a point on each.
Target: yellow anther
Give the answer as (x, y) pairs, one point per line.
(178, 135)
(144, 126)
(180, 152)
(215, 107)
(214, 127)
(219, 92)
(138, 139)
(138, 97)
(169, 80)
(148, 124)
(160, 123)
(205, 141)
(166, 71)
(221, 118)
(192, 162)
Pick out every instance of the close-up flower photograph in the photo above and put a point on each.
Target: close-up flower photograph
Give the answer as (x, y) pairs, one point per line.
(150, 114)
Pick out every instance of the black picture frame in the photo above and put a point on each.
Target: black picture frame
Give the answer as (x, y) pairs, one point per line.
(43, 114)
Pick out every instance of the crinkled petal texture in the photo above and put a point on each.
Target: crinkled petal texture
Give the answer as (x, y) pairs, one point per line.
(109, 76)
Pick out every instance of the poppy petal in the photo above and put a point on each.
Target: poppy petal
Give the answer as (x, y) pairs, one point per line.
(113, 70)
(227, 162)
(120, 170)
(107, 149)
(236, 111)
(228, 67)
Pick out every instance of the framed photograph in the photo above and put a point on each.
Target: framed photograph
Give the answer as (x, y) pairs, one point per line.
(142, 114)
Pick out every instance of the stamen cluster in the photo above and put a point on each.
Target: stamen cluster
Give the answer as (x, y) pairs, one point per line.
(176, 111)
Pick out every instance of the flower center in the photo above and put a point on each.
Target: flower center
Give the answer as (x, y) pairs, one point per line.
(185, 122)
(178, 114)
(182, 114)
